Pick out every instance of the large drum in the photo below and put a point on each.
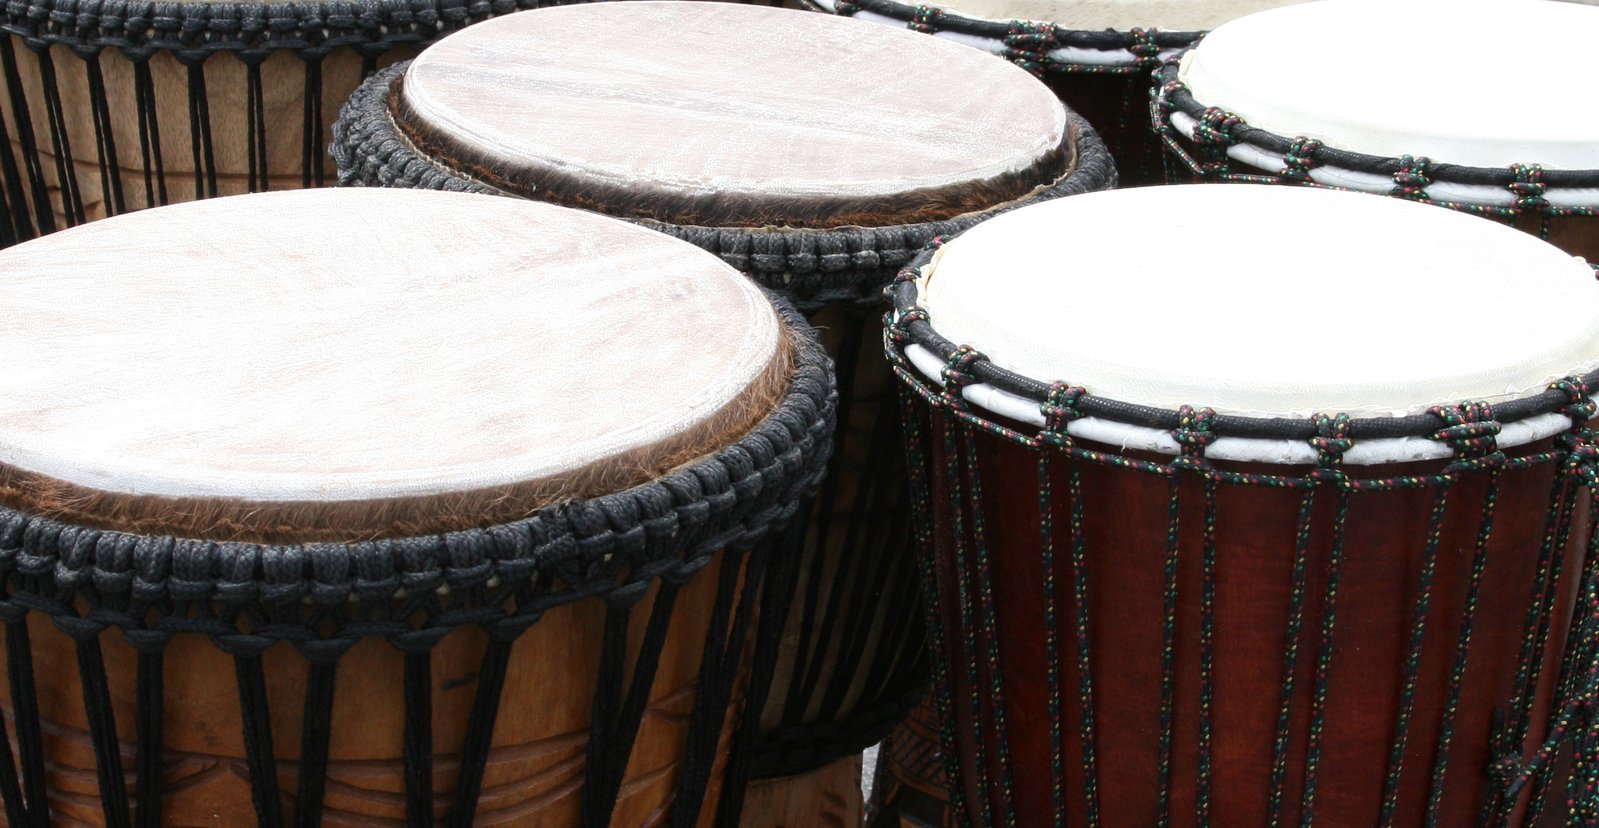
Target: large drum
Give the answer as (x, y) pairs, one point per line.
(460, 512)
(1254, 103)
(1096, 55)
(111, 107)
(1357, 588)
(839, 151)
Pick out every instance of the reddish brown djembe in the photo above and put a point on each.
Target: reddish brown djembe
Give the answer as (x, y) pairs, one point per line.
(1357, 590)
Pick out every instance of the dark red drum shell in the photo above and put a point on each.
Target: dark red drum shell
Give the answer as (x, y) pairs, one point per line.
(1125, 520)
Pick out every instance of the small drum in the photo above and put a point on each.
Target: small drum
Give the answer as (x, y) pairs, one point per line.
(460, 512)
(1462, 132)
(841, 150)
(1096, 55)
(1358, 590)
(113, 107)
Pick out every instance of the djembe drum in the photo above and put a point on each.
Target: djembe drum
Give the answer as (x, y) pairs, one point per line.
(842, 148)
(1097, 56)
(460, 513)
(1461, 133)
(1359, 590)
(109, 107)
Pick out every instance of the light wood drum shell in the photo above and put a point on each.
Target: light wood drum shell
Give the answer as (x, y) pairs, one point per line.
(852, 646)
(145, 104)
(580, 657)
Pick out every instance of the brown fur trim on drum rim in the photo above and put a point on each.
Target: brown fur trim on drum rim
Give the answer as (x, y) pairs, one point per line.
(811, 268)
(362, 520)
(724, 210)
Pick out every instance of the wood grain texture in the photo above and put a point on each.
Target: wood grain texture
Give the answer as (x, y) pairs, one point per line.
(535, 769)
(828, 797)
(910, 789)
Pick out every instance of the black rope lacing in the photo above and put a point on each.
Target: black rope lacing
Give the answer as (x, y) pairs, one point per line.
(1534, 182)
(915, 324)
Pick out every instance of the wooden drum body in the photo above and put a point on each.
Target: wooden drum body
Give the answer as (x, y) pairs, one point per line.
(1474, 140)
(536, 761)
(1155, 614)
(147, 104)
(818, 176)
(372, 556)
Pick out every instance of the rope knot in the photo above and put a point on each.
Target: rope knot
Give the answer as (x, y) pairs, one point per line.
(1580, 406)
(1469, 428)
(1331, 441)
(1144, 46)
(958, 372)
(905, 274)
(1412, 178)
(1528, 187)
(1215, 128)
(898, 330)
(1300, 159)
(1028, 45)
(1194, 431)
(926, 19)
(1060, 409)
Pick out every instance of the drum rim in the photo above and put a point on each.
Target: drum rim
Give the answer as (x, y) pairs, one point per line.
(745, 491)
(1174, 96)
(908, 325)
(209, 26)
(1142, 44)
(812, 267)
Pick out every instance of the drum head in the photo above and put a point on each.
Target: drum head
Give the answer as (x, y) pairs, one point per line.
(363, 361)
(1341, 73)
(732, 115)
(1266, 301)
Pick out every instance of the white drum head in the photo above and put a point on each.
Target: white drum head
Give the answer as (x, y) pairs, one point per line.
(359, 344)
(1342, 72)
(1266, 301)
(730, 105)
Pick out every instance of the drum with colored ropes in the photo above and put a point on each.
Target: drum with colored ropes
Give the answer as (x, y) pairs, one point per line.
(108, 107)
(462, 512)
(1358, 587)
(1096, 55)
(817, 155)
(1246, 105)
